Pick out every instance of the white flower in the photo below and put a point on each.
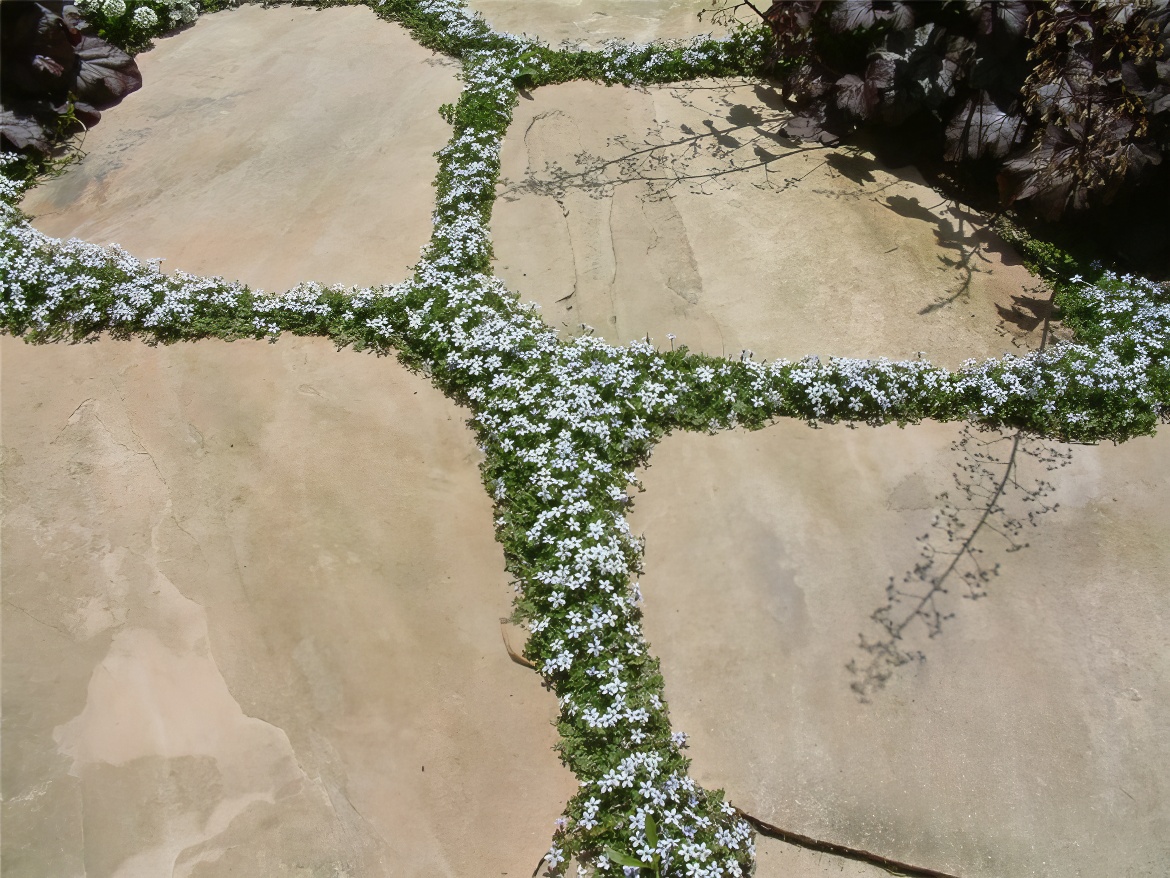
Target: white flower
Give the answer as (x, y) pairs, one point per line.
(555, 856)
(145, 18)
(551, 415)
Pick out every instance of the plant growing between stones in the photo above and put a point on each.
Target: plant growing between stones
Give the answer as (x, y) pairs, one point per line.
(564, 423)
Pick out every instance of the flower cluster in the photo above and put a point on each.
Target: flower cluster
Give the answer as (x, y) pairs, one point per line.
(564, 423)
(1114, 388)
(627, 63)
(132, 23)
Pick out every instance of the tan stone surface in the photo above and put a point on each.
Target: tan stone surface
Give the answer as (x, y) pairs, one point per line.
(591, 22)
(270, 146)
(249, 592)
(680, 210)
(1034, 740)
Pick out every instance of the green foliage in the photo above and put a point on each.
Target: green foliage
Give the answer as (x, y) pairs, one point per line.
(1068, 100)
(603, 407)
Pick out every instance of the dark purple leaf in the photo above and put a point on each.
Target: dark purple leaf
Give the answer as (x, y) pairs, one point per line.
(25, 131)
(1048, 187)
(851, 96)
(1071, 91)
(881, 71)
(890, 89)
(107, 74)
(790, 18)
(1133, 80)
(981, 129)
(944, 82)
(36, 55)
(806, 84)
(959, 51)
(53, 37)
(853, 15)
(929, 75)
(861, 14)
(810, 129)
(1022, 175)
(1120, 13)
(87, 115)
(1054, 179)
(1158, 102)
(901, 15)
(1119, 128)
(1059, 195)
(1136, 158)
(998, 16)
(1163, 68)
(1080, 33)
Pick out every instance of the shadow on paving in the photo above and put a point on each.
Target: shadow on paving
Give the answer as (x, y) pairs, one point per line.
(737, 139)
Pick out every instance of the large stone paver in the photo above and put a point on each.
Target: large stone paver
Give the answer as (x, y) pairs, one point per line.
(680, 210)
(591, 22)
(270, 146)
(251, 604)
(1032, 741)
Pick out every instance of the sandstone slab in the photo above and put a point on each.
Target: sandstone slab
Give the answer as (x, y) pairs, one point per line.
(251, 602)
(591, 22)
(271, 146)
(1031, 740)
(682, 210)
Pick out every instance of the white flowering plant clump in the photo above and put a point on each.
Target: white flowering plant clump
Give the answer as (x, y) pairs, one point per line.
(131, 24)
(564, 423)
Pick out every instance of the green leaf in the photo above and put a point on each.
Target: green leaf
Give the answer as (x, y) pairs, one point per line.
(624, 859)
(651, 831)
(527, 77)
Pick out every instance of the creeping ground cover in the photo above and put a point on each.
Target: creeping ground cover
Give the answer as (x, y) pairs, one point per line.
(564, 423)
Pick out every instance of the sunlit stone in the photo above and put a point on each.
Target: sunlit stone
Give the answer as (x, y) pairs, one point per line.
(591, 22)
(251, 619)
(1030, 740)
(682, 210)
(270, 146)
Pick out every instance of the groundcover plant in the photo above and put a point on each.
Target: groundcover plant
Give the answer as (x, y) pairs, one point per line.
(564, 423)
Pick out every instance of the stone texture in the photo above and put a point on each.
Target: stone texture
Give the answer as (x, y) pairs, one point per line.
(681, 210)
(591, 22)
(250, 591)
(1031, 741)
(251, 623)
(270, 146)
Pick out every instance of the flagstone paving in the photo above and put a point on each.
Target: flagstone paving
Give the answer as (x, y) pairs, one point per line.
(591, 22)
(251, 592)
(679, 210)
(1031, 741)
(270, 146)
(251, 604)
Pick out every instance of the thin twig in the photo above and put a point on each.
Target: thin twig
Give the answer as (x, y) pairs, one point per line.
(517, 658)
(895, 867)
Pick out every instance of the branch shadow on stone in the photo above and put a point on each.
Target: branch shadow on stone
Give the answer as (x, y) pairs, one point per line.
(709, 137)
(983, 519)
(735, 139)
